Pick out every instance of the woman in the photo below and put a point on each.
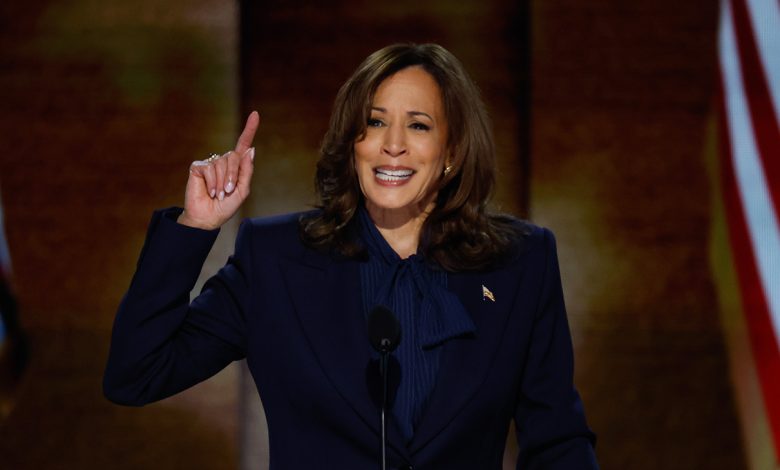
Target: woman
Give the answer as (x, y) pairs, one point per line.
(405, 173)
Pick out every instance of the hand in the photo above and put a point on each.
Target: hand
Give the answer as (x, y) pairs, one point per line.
(218, 186)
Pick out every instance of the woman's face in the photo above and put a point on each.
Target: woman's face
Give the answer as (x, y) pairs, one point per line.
(403, 153)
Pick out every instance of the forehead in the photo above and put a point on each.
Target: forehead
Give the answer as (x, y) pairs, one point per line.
(412, 85)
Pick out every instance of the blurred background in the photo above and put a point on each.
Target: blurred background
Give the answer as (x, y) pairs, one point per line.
(612, 129)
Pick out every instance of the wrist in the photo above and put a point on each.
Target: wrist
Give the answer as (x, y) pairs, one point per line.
(185, 219)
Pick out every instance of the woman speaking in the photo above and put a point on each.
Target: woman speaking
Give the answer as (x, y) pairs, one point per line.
(403, 180)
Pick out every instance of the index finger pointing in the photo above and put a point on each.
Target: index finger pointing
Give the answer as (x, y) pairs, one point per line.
(248, 134)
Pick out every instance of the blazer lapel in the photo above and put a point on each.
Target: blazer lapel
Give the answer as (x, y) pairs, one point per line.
(465, 362)
(327, 298)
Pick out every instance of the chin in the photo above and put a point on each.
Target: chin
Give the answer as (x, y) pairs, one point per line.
(409, 205)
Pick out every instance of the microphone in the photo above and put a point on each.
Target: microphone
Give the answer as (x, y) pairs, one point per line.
(384, 330)
(384, 333)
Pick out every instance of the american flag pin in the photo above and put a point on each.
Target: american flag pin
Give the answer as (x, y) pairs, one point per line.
(486, 294)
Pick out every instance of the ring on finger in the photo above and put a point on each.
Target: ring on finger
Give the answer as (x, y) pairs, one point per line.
(212, 157)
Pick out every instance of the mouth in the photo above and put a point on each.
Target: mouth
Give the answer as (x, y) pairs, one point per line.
(393, 175)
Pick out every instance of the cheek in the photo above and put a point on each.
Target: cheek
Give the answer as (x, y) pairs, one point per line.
(434, 159)
(360, 152)
(359, 166)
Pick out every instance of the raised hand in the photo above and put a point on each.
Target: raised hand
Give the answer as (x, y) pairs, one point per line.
(218, 186)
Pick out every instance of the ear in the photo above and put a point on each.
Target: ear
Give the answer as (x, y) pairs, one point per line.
(448, 167)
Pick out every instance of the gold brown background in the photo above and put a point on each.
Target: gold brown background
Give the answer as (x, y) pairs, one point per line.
(106, 103)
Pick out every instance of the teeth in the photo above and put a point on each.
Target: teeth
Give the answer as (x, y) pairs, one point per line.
(394, 173)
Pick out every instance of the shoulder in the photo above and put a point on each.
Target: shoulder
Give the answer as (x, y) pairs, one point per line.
(276, 231)
(282, 224)
(539, 238)
(281, 237)
(529, 242)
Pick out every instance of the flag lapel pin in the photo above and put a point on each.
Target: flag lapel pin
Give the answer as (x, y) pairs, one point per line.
(486, 294)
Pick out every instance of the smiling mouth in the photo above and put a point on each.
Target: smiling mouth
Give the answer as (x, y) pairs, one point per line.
(391, 176)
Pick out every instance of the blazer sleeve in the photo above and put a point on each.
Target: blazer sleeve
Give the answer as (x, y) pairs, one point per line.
(161, 343)
(551, 428)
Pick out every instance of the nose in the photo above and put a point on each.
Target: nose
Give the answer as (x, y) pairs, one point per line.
(394, 143)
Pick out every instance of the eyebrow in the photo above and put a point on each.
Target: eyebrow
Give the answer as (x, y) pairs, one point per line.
(410, 113)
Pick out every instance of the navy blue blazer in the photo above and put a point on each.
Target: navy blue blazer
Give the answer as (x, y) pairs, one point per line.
(296, 315)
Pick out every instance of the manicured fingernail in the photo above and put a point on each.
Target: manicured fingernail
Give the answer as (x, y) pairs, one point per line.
(213, 193)
(252, 154)
(229, 186)
(221, 195)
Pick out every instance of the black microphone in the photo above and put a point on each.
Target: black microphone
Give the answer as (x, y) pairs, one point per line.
(384, 332)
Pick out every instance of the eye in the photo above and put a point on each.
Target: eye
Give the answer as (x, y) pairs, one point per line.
(373, 122)
(419, 126)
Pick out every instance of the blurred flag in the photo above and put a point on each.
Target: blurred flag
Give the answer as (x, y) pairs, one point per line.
(6, 300)
(13, 343)
(749, 57)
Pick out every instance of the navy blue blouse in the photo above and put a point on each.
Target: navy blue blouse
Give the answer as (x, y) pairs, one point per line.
(429, 315)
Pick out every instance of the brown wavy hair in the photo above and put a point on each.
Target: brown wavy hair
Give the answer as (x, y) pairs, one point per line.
(459, 234)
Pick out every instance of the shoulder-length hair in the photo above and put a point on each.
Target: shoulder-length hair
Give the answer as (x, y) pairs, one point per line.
(459, 234)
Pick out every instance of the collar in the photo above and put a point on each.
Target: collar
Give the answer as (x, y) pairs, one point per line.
(441, 314)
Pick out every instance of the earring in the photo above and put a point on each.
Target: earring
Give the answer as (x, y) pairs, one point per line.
(448, 170)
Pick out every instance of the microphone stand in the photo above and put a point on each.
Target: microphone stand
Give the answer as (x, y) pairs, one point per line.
(383, 364)
(384, 333)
